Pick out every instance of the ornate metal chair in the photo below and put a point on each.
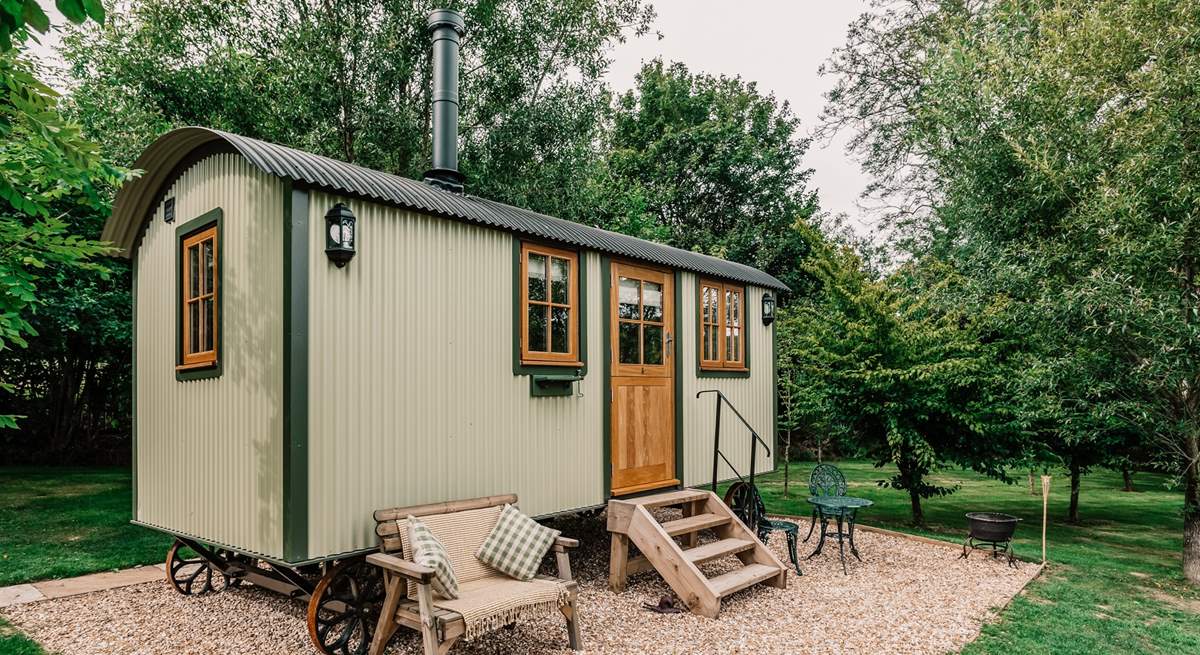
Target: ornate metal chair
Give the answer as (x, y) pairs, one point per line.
(748, 505)
(825, 480)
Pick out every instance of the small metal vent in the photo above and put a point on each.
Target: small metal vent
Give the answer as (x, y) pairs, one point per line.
(169, 211)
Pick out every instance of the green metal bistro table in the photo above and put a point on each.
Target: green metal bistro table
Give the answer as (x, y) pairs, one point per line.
(845, 510)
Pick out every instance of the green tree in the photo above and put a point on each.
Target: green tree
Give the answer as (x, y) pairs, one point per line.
(49, 175)
(1052, 144)
(715, 166)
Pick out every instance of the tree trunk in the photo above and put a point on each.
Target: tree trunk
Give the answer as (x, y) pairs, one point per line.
(1073, 514)
(1191, 510)
(787, 461)
(910, 478)
(1127, 476)
(918, 515)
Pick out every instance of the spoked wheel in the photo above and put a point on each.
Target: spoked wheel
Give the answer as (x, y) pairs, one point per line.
(744, 500)
(345, 607)
(191, 574)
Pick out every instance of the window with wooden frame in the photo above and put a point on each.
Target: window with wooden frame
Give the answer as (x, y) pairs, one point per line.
(549, 306)
(722, 329)
(200, 281)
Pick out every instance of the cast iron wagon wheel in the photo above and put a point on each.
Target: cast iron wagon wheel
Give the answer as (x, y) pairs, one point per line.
(192, 575)
(743, 499)
(344, 608)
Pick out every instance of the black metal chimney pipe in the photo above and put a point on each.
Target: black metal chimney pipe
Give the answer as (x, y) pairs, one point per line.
(446, 26)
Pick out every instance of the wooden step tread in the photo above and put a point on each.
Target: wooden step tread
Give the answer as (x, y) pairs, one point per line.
(739, 579)
(717, 549)
(695, 523)
(677, 497)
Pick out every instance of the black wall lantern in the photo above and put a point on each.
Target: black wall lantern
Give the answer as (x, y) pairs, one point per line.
(339, 234)
(768, 309)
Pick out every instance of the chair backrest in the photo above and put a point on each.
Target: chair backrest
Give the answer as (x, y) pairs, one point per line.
(826, 480)
(460, 525)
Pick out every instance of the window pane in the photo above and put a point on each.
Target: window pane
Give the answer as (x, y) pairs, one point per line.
(628, 299)
(537, 328)
(735, 308)
(193, 272)
(537, 278)
(705, 343)
(728, 308)
(193, 345)
(628, 347)
(652, 344)
(559, 279)
(210, 324)
(208, 266)
(737, 345)
(652, 301)
(728, 344)
(560, 324)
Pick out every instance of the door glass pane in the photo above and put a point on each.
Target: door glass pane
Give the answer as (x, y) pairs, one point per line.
(560, 277)
(628, 297)
(537, 328)
(209, 324)
(193, 272)
(208, 266)
(193, 327)
(560, 323)
(652, 344)
(652, 301)
(628, 348)
(537, 278)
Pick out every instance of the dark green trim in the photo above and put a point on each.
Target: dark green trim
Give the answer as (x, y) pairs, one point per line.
(548, 369)
(295, 373)
(678, 377)
(548, 385)
(775, 394)
(182, 232)
(705, 373)
(606, 369)
(133, 269)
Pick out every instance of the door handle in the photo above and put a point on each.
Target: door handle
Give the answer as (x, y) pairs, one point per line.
(670, 342)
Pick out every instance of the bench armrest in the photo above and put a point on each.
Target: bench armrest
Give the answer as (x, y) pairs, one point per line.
(561, 544)
(411, 570)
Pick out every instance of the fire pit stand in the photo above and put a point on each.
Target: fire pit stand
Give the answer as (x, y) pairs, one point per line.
(991, 529)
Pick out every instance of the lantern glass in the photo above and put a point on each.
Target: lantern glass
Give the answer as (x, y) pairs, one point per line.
(768, 309)
(347, 233)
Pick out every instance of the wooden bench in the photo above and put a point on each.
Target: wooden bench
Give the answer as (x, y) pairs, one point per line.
(440, 628)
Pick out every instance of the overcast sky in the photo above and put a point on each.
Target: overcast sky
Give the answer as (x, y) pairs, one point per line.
(777, 43)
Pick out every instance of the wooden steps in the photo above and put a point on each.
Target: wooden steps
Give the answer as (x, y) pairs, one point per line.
(717, 550)
(631, 520)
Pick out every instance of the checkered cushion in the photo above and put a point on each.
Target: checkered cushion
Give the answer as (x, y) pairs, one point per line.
(516, 545)
(428, 551)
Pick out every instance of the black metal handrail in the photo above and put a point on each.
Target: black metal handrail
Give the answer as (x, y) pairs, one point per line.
(718, 455)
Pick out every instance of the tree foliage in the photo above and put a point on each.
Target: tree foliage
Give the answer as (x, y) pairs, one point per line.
(1046, 150)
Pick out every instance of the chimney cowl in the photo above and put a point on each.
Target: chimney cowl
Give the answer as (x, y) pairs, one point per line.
(446, 26)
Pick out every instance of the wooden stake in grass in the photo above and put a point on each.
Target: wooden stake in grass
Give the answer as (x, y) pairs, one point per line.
(1045, 506)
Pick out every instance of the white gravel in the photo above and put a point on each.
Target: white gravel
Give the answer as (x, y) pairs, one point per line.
(904, 597)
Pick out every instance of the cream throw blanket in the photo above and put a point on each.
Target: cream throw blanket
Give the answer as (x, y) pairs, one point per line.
(487, 598)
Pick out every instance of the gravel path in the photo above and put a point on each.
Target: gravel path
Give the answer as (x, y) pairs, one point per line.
(905, 597)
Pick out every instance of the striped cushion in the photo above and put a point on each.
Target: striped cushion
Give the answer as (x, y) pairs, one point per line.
(428, 551)
(516, 545)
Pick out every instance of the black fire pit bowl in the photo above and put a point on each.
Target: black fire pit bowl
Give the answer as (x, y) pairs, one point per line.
(992, 526)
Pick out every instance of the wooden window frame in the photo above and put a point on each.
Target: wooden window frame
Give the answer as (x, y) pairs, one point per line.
(203, 358)
(529, 357)
(721, 363)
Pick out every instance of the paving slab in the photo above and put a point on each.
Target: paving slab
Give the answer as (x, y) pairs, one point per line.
(19, 593)
(86, 584)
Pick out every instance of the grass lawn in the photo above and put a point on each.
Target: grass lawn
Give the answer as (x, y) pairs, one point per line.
(1114, 583)
(59, 523)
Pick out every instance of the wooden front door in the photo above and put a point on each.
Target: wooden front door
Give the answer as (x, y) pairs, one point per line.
(642, 329)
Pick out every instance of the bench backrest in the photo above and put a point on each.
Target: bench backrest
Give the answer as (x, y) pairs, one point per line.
(460, 525)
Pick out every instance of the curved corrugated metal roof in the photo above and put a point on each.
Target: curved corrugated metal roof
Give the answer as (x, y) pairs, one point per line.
(137, 197)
